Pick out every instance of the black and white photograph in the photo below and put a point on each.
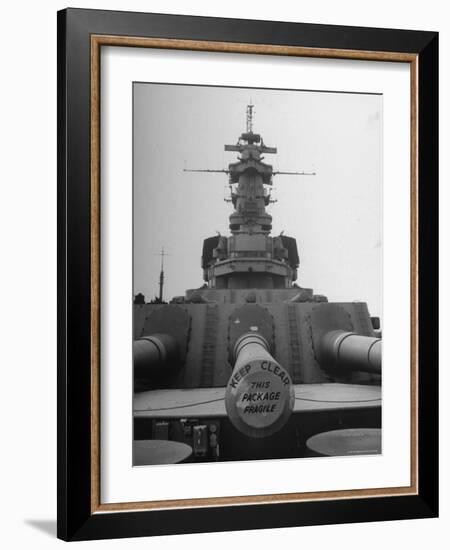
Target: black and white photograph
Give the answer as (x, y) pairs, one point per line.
(257, 273)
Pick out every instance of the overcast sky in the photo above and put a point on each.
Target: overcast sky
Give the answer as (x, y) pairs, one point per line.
(335, 216)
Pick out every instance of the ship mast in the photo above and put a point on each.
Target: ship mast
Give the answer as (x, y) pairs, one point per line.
(161, 275)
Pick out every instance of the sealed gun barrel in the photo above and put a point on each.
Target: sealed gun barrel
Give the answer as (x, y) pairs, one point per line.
(352, 351)
(155, 353)
(259, 397)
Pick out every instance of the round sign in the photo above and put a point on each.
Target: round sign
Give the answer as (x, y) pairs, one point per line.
(259, 397)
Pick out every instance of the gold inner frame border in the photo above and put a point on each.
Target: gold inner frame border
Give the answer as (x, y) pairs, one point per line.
(97, 41)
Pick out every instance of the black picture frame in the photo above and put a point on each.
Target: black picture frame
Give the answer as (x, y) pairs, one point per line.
(77, 518)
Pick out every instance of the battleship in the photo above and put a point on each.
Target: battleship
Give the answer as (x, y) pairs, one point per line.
(252, 365)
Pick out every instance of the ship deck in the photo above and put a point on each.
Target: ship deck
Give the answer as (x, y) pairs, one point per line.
(207, 402)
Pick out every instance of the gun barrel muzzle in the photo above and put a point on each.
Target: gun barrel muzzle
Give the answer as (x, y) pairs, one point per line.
(352, 351)
(154, 353)
(259, 397)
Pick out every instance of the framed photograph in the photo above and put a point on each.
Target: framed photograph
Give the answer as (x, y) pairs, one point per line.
(247, 274)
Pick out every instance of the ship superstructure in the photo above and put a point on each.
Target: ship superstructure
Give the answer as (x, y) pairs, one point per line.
(250, 257)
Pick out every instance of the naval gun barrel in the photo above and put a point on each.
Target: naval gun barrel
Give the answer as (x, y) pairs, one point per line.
(352, 351)
(259, 397)
(154, 354)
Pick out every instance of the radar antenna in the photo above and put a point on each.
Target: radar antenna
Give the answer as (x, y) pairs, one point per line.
(250, 147)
